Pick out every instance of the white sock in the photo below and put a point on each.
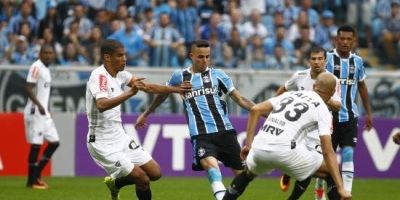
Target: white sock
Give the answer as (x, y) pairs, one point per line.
(218, 189)
(348, 175)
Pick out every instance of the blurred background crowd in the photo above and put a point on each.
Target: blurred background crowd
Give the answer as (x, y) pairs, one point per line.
(244, 34)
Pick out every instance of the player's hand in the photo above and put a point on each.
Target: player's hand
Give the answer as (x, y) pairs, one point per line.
(136, 84)
(396, 138)
(244, 152)
(141, 121)
(344, 195)
(42, 111)
(368, 122)
(186, 86)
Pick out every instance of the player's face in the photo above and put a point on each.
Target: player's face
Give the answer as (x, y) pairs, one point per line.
(200, 58)
(317, 62)
(118, 59)
(47, 56)
(345, 41)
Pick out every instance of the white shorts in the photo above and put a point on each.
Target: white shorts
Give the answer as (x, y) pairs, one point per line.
(39, 128)
(118, 158)
(299, 163)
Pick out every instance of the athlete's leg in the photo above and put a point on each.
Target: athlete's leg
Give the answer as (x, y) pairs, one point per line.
(238, 185)
(32, 163)
(299, 188)
(48, 153)
(210, 165)
(347, 167)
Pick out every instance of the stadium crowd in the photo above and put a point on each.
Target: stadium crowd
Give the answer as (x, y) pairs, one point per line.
(257, 34)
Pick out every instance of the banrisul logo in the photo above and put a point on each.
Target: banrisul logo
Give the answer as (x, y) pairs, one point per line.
(201, 91)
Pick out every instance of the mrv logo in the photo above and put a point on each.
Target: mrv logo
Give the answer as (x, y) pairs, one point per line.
(200, 92)
(272, 129)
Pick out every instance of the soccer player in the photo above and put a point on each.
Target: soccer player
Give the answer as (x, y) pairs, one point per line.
(110, 147)
(212, 135)
(39, 124)
(349, 69)
(304, 80)
(281, 143)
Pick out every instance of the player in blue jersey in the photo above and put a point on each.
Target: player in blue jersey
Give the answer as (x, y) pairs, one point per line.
(212, 134)
(349, 69)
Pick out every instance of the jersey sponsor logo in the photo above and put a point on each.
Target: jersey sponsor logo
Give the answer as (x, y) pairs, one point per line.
(276, 121)
(272, 129)
(344, 81)
(103, 83)
(35, 73)
(200, 92)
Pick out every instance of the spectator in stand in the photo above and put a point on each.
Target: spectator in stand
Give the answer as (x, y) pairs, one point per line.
(280, 60)
(52, 21)
(254, 26)
(72, 57)
(238, 46)
(313, 16)
(24, 15)
(186, 21)
(48, 39)
(247, 7)
(382, 13)
(303, 46)
(216, 54)
(359, 14)
(214, 26)
(278, 20)
(294, 30)
(132, 38)
(19, 52)
(205, 11)
(230, 61)
(84, 24)
(391, 35)
(235, 21)
(181, 60)
(93, 46)
(4, 42)
(290, 12)
(280, 39)
(326, 30)
(149, 22)
(102, 21)
(255, 53)
(122, 14)
(163, 41)
(161, 6)
(7, 10)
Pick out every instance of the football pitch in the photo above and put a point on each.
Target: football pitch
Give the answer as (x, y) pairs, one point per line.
(171, 188)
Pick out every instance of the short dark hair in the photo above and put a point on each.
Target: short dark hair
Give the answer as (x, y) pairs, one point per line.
(199, 44)
(317, 49)
(109, 46)
(346, 28)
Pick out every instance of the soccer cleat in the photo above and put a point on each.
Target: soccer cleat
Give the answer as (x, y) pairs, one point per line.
(319, 194)
(41, 182)
(285, 182)
(114, 191)
(37, 186)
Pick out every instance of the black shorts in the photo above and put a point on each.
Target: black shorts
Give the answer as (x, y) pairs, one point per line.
(222, 145)
(345, 133)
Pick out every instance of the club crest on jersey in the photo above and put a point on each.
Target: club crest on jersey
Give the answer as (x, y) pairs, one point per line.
(206, 79)
(351, 69)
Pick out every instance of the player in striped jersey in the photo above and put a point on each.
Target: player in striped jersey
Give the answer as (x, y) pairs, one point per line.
(212, 134)
(349, 69)
(304, 80)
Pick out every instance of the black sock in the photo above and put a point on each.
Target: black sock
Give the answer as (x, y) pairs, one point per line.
(143, 194)
(48, 152)
(332, 189)
(299, 188)
(237, 186)
(122, 181)
(32, 165)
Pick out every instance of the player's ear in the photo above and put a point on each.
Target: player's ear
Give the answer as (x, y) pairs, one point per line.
(107, 57)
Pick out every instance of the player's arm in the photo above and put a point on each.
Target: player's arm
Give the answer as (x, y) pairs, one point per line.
(104, 103)
(362, 89)
(141, 120)
(255, 112)
(29, 91)
(241, 100)
(281, 90)
(186, 86)
(334, 104)
(332, 164)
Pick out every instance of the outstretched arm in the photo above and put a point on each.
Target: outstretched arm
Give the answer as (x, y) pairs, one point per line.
(362, 89)
(240, 100)
(280, 90)
(141, 120)
(104, 104)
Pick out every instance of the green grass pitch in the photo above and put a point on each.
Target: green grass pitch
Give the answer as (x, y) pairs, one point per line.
(171, 188)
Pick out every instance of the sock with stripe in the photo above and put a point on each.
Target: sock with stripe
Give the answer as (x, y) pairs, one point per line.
(347, 168)
(215, 179)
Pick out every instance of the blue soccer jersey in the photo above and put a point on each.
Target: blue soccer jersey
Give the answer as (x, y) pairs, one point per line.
(204, 108)
(349, 71)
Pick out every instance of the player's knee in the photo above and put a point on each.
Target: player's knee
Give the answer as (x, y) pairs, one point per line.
(54, 145)
(155, 176)
(347, 154)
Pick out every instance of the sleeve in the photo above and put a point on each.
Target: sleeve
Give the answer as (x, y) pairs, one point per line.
(361, 71)
(324, 118)
(291, 84)
(98, 85)
(125, 77)
(176, 79)
(225, 82)
(33, 74)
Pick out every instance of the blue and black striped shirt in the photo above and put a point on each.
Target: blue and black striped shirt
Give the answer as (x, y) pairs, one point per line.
(204, 108)
(350, 71)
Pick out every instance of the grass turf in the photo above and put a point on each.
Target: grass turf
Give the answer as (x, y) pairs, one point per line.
(171, 188)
